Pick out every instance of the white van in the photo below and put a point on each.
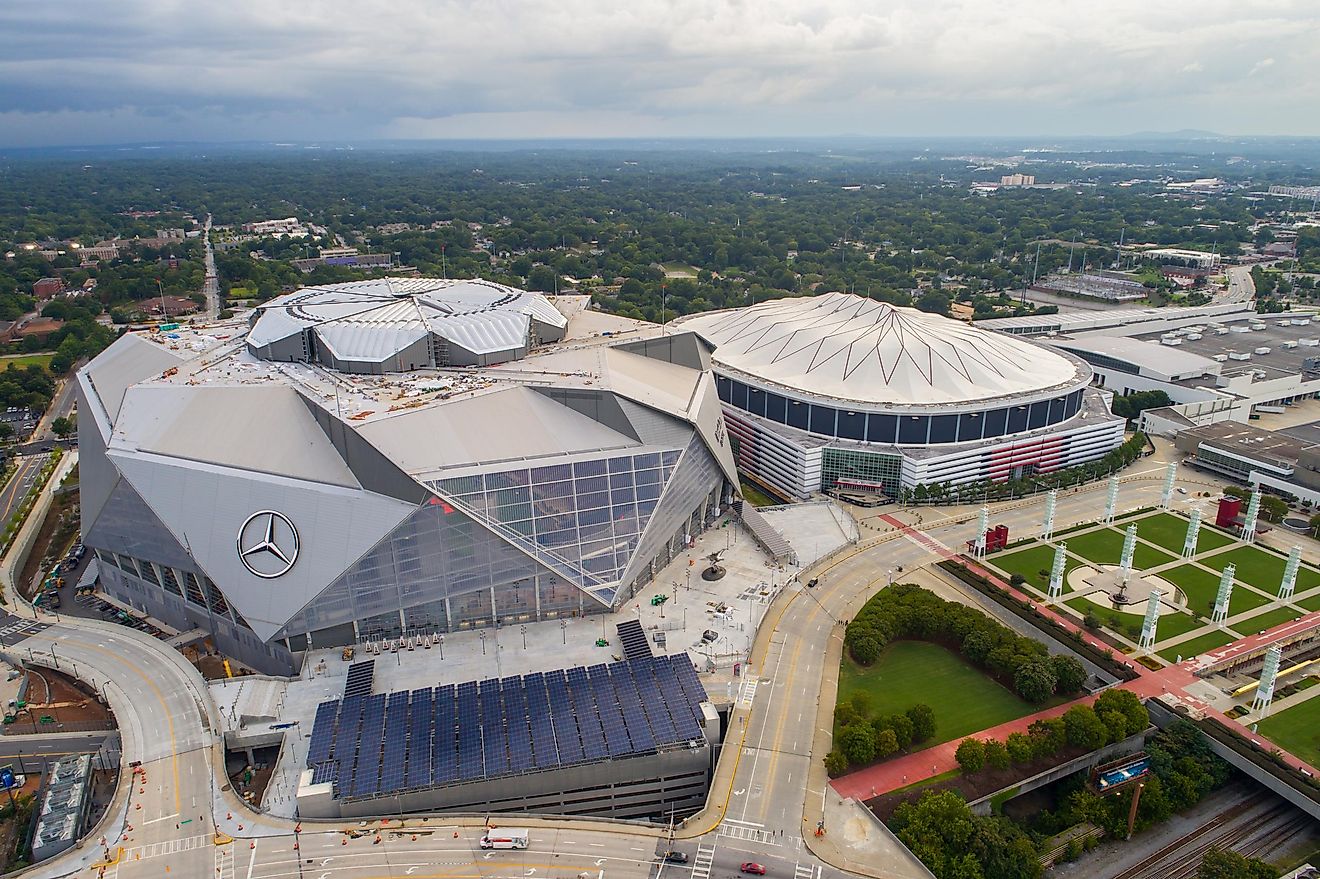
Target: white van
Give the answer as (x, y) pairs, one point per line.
(504, 837)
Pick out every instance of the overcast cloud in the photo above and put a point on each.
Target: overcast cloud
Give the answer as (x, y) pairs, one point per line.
(90, 71)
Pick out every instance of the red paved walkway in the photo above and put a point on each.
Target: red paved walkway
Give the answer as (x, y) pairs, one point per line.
(1171, 680)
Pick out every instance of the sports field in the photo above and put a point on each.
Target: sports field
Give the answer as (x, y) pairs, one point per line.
(1296, 729)
(912, 672)
(1202, 586)
(1105, 547)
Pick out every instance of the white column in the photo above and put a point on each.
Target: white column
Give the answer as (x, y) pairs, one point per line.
(1225, 594)
(1152, 620)
(1193, 534)
(1166, 496)
(1111, 502)
(982, 525)
(1056, 572)
(1051, 499)
(1290, 573)
(1265, 689)
(1129, 547)
(1249, 523)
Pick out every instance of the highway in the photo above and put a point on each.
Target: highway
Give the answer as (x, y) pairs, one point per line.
(1241, 288)
(17, 746)
(765, 803)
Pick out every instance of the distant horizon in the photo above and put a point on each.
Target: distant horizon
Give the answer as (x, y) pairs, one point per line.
(1036, 141)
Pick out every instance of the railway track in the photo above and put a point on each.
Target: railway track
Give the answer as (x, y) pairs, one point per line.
(1181, 858)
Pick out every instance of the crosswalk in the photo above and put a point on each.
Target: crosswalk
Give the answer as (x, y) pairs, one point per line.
(701, 864)
(747, 693)
(169, 847)
(18, 627)
(806, 871)
(224, 861)
(741, 830)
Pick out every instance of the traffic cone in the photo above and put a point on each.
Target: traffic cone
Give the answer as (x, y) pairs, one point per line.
(252, 844)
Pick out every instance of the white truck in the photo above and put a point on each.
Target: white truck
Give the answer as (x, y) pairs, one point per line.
(504, 837)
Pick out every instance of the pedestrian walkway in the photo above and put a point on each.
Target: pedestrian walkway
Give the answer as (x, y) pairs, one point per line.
(1172, 681)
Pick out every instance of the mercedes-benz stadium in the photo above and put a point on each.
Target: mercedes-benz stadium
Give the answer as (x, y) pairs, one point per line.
(394, 456)
(838, 392)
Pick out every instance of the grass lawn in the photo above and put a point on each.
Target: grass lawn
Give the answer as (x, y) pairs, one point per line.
(911, 672)
(1312, 603)
(1105, 547)
(1261, 569)
(1267, 620)
(1296, 729)
(1202, 586)
(1030, 562)
(1169, 531)
(756, 497)
(1198, 645)
(22, 360)
(1129, 624)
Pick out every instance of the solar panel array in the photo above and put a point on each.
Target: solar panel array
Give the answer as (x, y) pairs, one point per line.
(382, 745)
(360, 676)
(633, 640)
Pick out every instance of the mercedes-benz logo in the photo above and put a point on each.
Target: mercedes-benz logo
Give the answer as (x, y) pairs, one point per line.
(268, 544)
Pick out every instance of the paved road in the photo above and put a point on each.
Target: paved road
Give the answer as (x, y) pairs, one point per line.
(51, 745)
(1241, 288)
(28, 468)
(211, 286)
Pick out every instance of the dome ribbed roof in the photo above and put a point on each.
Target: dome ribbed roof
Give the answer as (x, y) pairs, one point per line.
(851, 348)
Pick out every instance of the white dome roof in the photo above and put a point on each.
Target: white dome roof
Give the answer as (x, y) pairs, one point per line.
(851, 348)
(373, 320)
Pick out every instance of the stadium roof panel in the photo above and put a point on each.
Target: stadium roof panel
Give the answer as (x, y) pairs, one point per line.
(850, 348)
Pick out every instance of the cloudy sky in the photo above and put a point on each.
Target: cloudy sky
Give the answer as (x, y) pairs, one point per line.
(96, 71)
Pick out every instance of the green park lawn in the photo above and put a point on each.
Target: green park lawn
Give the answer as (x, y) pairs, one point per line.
(23, 360)
(912, 672)
(1129, 624)
(1296, 729)
(1261, 569)
(1267, 620)
(1169, 531)
(1312, 603)
(1198, 645)
(1030, 562)
(1105, 547)
(1202, 586)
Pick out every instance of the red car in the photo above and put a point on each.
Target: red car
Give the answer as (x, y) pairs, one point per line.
(753, 867)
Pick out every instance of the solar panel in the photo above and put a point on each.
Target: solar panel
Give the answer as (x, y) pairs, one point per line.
(360, 677)
(421, 722)
(323, 732)
(657, 711)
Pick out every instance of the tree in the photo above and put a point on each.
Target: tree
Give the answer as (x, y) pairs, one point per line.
(6, 432)
(1069, 673)
(1116, 723)
(542, 279)
(1230, 865)
(996, 755)
(857, 742)
(886, 743)
(923, 722)
(1034, 680)
(62, 427)
(934, 302)
(835, 763)
(902, 727)
(865, 650)
(1019, 748)
(1084, 729)
(1126, 702)
(970, 755)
